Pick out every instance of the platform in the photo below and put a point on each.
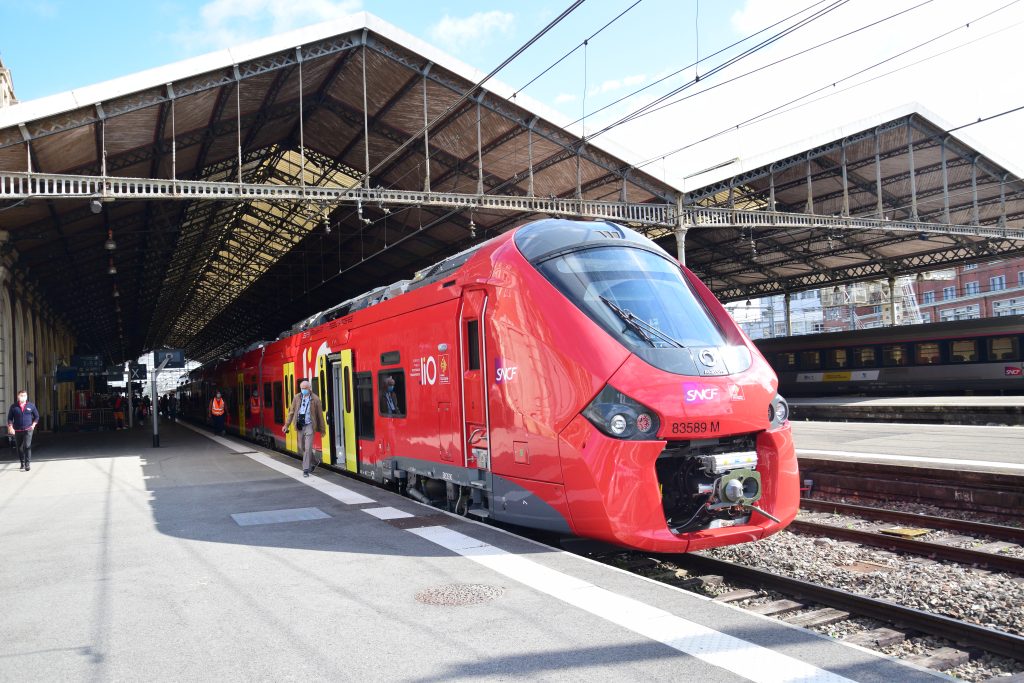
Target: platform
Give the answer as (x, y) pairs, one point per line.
(959, 410)
(210, 559)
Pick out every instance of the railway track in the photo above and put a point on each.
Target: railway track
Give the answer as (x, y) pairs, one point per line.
(850, 604)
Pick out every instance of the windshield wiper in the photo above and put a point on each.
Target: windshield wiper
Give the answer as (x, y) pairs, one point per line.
(640, 326)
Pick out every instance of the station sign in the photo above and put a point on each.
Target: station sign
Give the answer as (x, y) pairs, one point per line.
(175, 358)
(138, 371)
(66, 374)
(115, 374)
(88, 364)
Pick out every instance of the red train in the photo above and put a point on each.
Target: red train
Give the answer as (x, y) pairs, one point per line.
(567, 376)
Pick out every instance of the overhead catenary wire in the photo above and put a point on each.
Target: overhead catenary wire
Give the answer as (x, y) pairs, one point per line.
(765, 113)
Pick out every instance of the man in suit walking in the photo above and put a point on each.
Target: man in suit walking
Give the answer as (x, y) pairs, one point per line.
(307, 414)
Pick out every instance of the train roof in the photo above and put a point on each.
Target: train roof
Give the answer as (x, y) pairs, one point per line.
(1010, 324)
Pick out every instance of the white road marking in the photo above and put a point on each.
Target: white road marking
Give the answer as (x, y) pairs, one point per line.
(733, 654)
(387, 513)
(912, 458)
(339, 493)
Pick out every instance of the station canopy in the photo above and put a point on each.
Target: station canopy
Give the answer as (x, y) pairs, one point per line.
(210, 275)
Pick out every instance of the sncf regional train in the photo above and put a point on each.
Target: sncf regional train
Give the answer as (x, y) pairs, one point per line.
(949, 357)
(566, 376)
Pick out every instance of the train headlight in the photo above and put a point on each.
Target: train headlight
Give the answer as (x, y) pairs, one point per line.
(622, 417)
(618, 425)
(778, 411)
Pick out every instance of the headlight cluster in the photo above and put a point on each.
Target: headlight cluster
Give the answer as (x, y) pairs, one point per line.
(778, 411)
(619, 416)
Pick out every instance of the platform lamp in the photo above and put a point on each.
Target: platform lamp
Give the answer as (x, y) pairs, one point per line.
(111, 269)
(110, 244)
(116, 293)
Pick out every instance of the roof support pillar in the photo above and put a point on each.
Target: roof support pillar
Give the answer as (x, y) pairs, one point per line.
(27, 137)
(771, 188)
(1002, 201)
(479, 150)
(366, 122)
(426, 138)
(786, 300)
(103, 139)
(680, 231)
(975, 216)
(174, 134)
(892, 300)
(623, 194)
(913, 175)
(945, 184)
(810, 188)
(880, 210)
(732, 194)
(529, 155)
(846, 184)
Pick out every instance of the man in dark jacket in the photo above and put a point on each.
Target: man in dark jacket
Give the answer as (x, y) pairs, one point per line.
(22, 418)
(307, 414)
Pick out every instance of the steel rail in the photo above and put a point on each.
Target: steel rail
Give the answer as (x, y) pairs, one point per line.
(966, 633)
(1006, 533)
(911, 546)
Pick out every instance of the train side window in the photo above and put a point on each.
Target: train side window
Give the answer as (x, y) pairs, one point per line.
(963, 351)
(268, 395)
(894, 354)
(810, 360)
(348, 390)
(473, 343)
(364, 406)
(786, 360)
(392, 403)
(926, 353)
(864, 357)
(279, 403)
(1003, 348)
(837, 359)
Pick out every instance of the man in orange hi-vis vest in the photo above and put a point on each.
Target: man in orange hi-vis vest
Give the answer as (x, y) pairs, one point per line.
(217, 412)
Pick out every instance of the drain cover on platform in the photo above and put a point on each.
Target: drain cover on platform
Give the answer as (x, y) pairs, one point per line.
(459, 594)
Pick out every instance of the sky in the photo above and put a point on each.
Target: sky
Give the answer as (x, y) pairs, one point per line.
(955, 59)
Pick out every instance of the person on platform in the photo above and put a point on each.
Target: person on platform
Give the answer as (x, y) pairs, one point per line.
(22, 418)
(172, 408)
(119, 405)
(307, 414)
(217, 413)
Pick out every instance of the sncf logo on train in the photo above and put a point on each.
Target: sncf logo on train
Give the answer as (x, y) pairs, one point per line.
(1013, 371)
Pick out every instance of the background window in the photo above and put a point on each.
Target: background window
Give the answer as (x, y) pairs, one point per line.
(279, 403)
(894, 354)
(929, 297)
(948, 293)
(926, 353)
(364, 405)
(963, 351)
(1003, 348)
(810, 360)
(864, 357)
(837, 359)
(997, 283)
(972, 288)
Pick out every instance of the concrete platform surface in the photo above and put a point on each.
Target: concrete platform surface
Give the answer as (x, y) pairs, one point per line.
(209, 559)
(911, 401)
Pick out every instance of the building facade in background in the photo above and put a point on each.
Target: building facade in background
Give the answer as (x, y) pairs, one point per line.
(7, 97)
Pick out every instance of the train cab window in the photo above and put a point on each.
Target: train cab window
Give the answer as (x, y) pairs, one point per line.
(963, 351)
(1003, 348)
(864, 357)
(391, 390)
(810, 360)
(268, 395)
(279, 403)
(894, 354)
(473, 343)
(364, 406)
(926, 353)
(837, 359)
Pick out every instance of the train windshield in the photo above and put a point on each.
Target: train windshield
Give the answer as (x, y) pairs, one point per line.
(639, 297)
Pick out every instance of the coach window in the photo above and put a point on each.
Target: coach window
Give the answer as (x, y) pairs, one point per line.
(364, 406)
(894, 354)
(279, 403)
(810, 360)
(392, 402)
(864, 357)
(1003, 348)
(268, 396)
(837, 359)
(786, 360)
(963, 351)
(926, 353)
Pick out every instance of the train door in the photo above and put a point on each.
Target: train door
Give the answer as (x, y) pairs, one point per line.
(473, 358)
(327, 400)
(241, 403)
(343, 416)
(291, 439)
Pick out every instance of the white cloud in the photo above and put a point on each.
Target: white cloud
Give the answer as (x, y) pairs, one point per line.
(615, 84)
(563, 98)
(223, 23)
(456, 34)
